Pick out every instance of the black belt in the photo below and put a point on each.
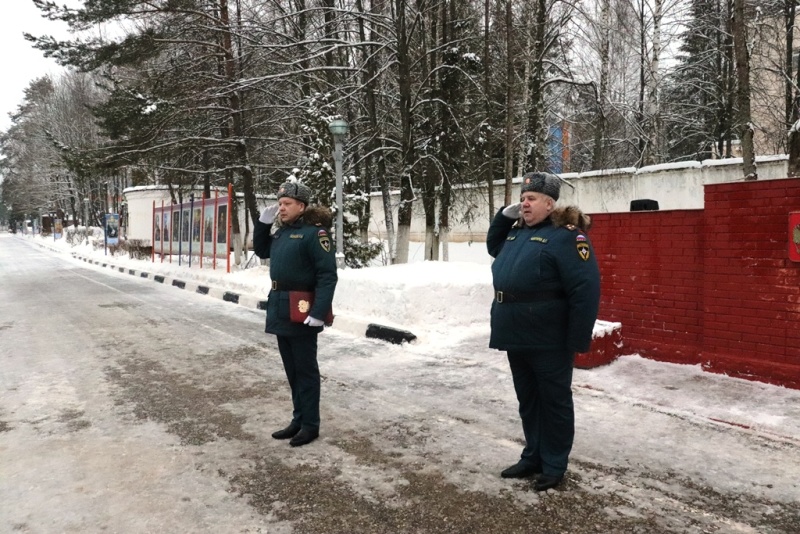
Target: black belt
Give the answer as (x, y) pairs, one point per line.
(517, 296)
(280, 286)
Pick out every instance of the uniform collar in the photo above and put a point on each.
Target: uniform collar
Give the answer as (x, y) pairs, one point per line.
(540, 224)
(297, 222)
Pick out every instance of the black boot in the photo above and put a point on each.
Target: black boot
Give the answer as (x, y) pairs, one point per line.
(288, 432)
(521, 469)
(545, 482)
(304, 437)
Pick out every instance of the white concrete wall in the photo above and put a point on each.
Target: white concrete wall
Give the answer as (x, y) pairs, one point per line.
(675, 186)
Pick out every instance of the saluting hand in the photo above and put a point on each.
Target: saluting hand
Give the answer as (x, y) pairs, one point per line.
(310, 321)
(512, 210)
(268, 215)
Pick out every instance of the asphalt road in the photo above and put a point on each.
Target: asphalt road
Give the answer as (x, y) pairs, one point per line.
(131, 407)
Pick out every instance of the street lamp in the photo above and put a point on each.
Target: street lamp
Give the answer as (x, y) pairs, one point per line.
(191, 226)
(339, 128)
(86, 217)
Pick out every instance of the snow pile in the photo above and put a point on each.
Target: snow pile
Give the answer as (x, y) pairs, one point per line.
(427, 298)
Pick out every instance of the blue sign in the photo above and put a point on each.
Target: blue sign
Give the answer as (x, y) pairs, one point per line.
(112, 228)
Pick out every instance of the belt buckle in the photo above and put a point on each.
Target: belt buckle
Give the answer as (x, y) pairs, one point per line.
(499, 297)
(274, 285)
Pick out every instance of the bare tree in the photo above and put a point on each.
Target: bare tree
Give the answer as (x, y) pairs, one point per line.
(745, 123)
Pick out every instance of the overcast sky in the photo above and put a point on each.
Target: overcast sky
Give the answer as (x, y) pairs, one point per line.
(21, 63)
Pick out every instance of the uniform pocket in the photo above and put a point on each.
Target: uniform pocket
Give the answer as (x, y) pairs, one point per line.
(283, 305)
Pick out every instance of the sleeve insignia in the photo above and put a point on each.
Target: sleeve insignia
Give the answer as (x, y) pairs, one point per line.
(580, 237)
(583, 250)
(324, 240)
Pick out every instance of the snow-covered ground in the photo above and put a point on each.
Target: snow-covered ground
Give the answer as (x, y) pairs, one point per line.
(445, 302)
(736, 436)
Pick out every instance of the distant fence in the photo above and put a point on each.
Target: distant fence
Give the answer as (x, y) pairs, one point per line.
(196, 228)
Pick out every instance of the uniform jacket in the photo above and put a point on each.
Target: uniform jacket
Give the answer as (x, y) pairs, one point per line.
(301, 258)
(556, 257)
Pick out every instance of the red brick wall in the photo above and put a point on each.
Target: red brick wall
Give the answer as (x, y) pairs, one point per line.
(712, 286)
(651, 265)
(751, 295)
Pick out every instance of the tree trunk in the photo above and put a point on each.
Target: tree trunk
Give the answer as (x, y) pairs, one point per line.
(431, 127)
(509, 148)
(598, 154)
(788, 17)
(376, 143)
(237, 120)
(731, 85)
(653, 152)
(642, 80)
(489, 113)
(743, 91)
(794, 150)
(791, 98)
(535, 129)
(406, 143)
(524, 103)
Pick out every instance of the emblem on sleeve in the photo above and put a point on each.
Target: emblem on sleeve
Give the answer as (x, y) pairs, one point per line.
(324, 240)
(583, 250)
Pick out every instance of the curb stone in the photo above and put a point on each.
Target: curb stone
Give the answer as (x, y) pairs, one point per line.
(351, 325)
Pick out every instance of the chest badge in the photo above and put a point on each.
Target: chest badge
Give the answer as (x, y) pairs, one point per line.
(583, 250)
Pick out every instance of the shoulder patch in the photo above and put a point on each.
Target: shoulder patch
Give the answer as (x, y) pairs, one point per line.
(324, 239)
(583, 250)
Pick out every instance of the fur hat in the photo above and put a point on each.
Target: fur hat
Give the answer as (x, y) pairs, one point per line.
(542, 182)
(295, 190)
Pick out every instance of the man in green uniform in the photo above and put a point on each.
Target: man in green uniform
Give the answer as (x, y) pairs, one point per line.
(301, 259)
(547, 294)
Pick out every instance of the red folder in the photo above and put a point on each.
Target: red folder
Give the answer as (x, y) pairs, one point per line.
(300, 303)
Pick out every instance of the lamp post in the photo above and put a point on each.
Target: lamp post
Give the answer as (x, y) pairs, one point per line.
(123, 221)
(86, 217)
(339, 128)
(191, 226)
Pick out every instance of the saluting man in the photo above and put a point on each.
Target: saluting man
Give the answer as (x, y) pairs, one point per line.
(547, 294)
(301, 259)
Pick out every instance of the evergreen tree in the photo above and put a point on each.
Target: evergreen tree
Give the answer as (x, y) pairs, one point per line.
(317, 170)
(697, 95)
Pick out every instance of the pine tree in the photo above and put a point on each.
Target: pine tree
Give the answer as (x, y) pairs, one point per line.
(698, 92)
(317, 171)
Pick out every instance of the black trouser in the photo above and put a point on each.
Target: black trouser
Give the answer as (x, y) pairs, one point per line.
(543, 382)
(299, 355)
